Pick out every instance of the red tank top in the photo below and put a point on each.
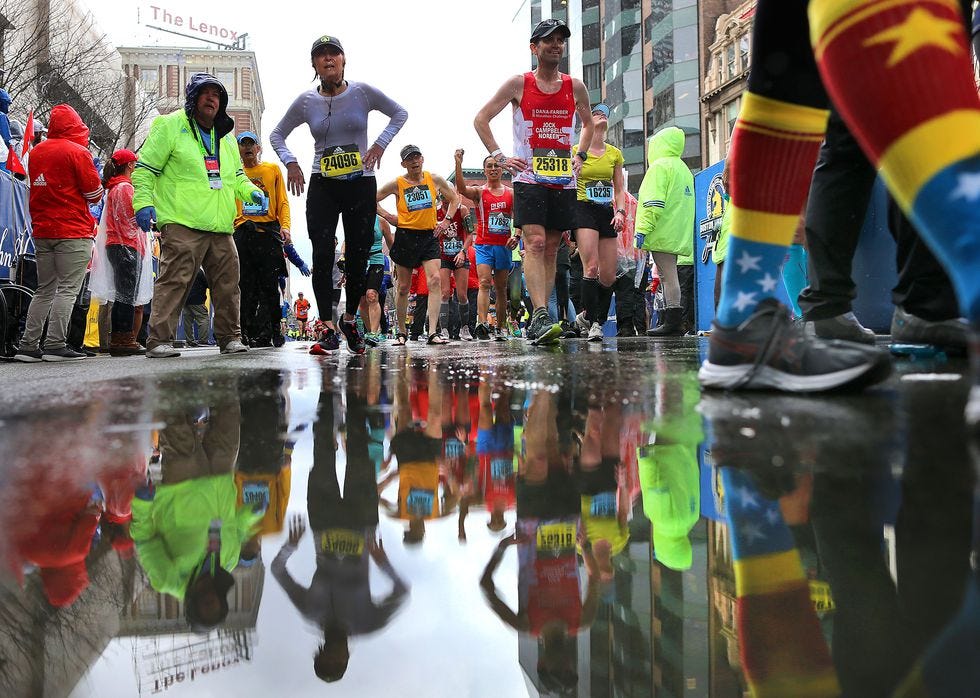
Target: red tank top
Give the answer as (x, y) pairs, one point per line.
(451, 240)
(495, 215)
(544, 125)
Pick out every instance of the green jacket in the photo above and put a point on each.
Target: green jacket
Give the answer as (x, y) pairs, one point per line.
(665, 212)
(171, 530)
(171, 177)
(720, 253)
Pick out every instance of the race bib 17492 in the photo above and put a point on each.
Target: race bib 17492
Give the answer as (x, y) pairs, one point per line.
(498, 223)
(341, 162)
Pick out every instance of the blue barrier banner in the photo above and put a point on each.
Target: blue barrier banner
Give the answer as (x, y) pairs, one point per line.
(709, 206)
(15, 223)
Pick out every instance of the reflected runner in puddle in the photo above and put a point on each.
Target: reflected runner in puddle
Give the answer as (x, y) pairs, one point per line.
(344, 524)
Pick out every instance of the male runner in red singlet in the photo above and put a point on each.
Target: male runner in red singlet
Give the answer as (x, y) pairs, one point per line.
(495, 236)
(545, 103)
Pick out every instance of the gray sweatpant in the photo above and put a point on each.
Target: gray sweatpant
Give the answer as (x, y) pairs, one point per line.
(61, 266)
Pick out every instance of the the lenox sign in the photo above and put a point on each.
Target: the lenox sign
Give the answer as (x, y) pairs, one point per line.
(189, 23)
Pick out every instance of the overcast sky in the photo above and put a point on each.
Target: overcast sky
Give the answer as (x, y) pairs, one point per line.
(440, 59)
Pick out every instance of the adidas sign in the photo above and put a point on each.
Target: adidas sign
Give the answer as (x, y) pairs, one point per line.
(39, 181)
(552, 153)
(337, 150)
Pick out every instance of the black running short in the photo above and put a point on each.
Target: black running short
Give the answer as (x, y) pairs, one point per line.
(536, 204)
(595, 217)
(412, 247)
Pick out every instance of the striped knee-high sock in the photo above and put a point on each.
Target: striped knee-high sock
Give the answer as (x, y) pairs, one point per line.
(774, 149)
(900, 73)
(783, 648)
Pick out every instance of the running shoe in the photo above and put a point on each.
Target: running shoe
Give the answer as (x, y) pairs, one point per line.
(769, 351)
(595, 332)
(329, 341)
(465, 334)
(482, 332)
(371, 339)
(569, 330)
(541, 330)
(355, 342)
(582, 324)
(846, 327)
(950, 335)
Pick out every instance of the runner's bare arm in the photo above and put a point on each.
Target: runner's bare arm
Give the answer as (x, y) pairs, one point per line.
(619, 199)
(584, 112)
(452, 198)
(510, 92)
(386, 233)
(389, 189)
(472, 193)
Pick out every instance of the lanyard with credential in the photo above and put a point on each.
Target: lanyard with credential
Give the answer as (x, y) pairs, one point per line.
(212, 163)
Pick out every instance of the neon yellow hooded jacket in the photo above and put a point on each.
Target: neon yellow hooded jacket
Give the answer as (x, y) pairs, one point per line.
(665, 214)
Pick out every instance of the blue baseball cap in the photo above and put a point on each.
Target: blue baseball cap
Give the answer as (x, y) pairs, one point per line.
(248, 134)
(602, 109)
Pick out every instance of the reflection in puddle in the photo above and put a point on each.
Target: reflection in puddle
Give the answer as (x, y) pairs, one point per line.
(586, 524)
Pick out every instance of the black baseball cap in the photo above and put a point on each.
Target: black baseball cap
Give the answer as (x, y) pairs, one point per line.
(326, 40)
(546, 27)
(409, 150)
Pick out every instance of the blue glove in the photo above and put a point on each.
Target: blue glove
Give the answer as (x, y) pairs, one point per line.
(305, 270)
(293, 256)
(258, 197)
(146, 217)
(638, 240)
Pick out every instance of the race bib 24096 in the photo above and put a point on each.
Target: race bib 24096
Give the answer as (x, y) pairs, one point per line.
(342, 162)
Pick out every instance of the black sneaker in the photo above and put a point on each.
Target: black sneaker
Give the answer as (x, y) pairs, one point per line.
(541, 330)
(329, 341)
(355, 342)
(482, 332)
(278, 340)
(62, 354)
(768, 351)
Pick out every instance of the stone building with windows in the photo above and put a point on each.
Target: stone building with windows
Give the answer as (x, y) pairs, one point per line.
(727, 34)
(163, 72)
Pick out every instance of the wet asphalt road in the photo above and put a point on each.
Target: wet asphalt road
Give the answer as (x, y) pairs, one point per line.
(649, 523)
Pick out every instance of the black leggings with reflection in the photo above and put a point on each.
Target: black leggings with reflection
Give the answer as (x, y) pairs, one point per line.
(327, 201)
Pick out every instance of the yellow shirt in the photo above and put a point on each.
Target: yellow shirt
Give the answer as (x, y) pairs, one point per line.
(267, 177)
(418, 490)
(417, 203)
(594, 182)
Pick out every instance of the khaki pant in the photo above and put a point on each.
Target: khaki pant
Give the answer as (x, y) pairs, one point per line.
(61, 265)
(182, 251)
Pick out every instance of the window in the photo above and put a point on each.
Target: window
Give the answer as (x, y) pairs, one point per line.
(591, 37)
(743, 52)
(685, 44)
(591, 76)
(227, 78)
(686, 97)
(632, 139)
(658, 10)
(589, 4)
(630, 39)
(246, 83)
(662, 55)
(680, 4)
(632, 86)
(631, 4)
(731, 115)
(730, 60)
(150, 79)
(663, 108)
(535, 12)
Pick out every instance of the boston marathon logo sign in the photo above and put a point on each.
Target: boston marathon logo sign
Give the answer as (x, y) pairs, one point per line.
(709, 227)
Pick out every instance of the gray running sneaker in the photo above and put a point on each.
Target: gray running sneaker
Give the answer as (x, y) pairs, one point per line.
(582, 324)
(28, 356)
(62, 354)
(465, 334)
(234, 347)
(541, 330)
(946, 334)
(162, 351)
(595, 332)
(846, 327)
(769, 351)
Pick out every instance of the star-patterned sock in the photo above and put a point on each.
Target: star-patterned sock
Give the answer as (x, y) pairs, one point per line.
(774, 149)
(900, 73)
(783, 649)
